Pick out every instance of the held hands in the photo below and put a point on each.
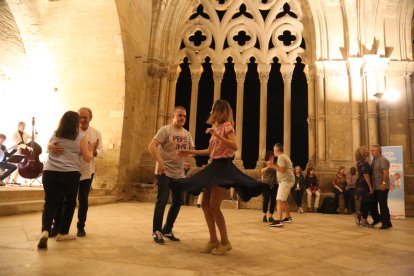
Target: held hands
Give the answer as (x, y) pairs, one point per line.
(53, 147)
(185, 153)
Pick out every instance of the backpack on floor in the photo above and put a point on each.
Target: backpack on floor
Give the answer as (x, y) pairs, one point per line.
(328, 206)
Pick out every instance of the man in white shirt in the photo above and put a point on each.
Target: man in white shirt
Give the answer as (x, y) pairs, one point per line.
(87, 169)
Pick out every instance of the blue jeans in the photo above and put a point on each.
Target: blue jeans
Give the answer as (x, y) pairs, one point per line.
(164, 186)
(9, 167)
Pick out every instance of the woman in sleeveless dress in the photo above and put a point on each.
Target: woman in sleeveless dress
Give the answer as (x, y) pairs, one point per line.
(219, 175)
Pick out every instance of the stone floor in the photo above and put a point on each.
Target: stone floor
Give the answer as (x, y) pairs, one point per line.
(119, 243)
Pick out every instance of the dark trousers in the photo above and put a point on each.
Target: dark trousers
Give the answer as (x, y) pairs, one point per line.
(84, 188)
(9, 169)
(269, 193)
(83, 195)
(297, 196)
(366, 204)
(56, 184)
(338, 194)
(351, 200)
(165, 184)
(381, 198)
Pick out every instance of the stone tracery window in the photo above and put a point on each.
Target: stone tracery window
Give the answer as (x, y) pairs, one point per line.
(261, 28)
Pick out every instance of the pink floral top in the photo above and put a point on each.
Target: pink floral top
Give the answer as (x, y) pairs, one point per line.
(218, 148)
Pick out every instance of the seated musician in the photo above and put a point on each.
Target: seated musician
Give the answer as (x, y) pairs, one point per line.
(3, 164)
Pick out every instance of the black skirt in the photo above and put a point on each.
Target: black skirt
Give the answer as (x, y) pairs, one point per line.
(223, 173)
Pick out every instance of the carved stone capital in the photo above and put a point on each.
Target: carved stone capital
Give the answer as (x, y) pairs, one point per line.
(240, 76)
(354, 67)
(163, 71)
(287, 72)
(174, 72)
(153, 68)
(264, 71)
(241, 70)
(196, 70)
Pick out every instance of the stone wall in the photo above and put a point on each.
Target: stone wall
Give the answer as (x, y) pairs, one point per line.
(75, 58)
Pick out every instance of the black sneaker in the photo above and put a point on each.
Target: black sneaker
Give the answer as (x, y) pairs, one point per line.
(287, 219)
(53, 233)
(276, 223)
(170, 236)
(271, 219)
(81, 233)
(265, 219)
(383, 227)
(158, 237)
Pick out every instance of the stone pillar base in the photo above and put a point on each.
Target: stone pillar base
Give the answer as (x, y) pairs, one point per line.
(238, 163)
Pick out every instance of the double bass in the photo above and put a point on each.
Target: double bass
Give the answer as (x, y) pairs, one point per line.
(31, 167)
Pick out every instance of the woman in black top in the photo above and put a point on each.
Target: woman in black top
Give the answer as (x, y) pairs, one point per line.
(270, 190)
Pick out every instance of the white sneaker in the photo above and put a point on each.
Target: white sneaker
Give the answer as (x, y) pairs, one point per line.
(65, 237)
(43, 240)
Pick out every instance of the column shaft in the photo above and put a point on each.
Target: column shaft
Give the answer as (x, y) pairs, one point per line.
(287, 72)
(196, 71)
(240, 76)
(173, 75)
(310, 76)
(321, 117)
(264, 70)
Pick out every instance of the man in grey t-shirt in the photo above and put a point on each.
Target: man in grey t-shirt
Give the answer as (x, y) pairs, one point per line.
(286, 179)
(164, 148)
(380, 179)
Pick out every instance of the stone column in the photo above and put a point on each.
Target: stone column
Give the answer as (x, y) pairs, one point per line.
(287, 73)
(162, 100)
(383, 107)
(310, 77)
(172, 79)
(218, 72)
(371, 88)
(410, 104)
(320, 111)
(196, 70)
(354, 66)
(241, 70)
(264, 70)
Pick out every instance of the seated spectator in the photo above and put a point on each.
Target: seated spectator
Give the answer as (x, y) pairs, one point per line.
(298, 188)
(339, 183)
(350, 187)
(311, 184)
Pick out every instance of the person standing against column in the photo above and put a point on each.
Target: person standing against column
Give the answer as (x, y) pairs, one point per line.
(164, 149)
(381, 182)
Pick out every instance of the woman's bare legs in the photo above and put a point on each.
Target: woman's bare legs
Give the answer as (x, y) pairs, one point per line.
(217, 196)
(205, 205)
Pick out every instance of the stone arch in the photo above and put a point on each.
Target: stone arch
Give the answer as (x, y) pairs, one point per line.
(237, 29)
